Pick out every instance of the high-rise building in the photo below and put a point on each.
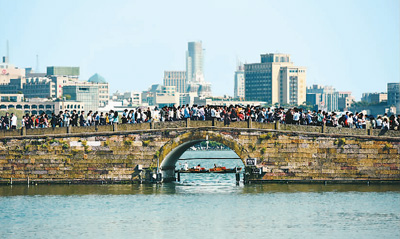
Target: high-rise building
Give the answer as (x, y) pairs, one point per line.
(195, 83)
(345, 100)
(87, 94)
(393, 91)
(194, 61)
(374, 98)
(324, 97)
(33, 87)
(177, 79)
(238, 91)
(275, 80)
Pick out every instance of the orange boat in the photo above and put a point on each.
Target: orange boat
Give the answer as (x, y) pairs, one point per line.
(224, 170)
(198, 170)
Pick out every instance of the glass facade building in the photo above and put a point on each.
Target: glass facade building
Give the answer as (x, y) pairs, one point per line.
(275, 80)
(87, 94)
(62, 71)
(194, 61)
(177, 79)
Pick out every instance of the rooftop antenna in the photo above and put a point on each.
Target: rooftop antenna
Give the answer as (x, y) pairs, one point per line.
(8, 52)
(37, 63)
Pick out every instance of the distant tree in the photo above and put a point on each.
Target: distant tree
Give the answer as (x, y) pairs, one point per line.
(67, 97)
(306, 106)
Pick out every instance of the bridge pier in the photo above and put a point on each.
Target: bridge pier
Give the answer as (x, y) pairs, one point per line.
(168, 174)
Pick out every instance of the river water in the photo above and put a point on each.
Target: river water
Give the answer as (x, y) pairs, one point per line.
(200, 206)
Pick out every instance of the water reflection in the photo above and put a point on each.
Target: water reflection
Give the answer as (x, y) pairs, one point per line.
(186, 188)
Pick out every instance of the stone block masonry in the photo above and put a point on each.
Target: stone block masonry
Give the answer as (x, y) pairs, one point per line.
(112, 154)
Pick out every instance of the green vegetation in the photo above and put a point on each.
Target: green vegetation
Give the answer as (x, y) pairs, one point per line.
(52, 141)
(36, 142)
(263, 150)
(128, 142)
(307, 106)
(387, 146)
(340, 142)
(65, 146)
(265, 136)
(146, 142)
(74, 151)
(106, 143)
(157, 154)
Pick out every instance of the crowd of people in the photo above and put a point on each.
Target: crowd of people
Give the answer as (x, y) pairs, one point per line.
(226, 114)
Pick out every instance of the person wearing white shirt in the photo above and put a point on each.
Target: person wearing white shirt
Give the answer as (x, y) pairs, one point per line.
(13, 121)
(379, 122)
(296, 117)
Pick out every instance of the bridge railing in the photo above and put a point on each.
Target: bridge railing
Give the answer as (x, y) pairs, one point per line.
(197, 124)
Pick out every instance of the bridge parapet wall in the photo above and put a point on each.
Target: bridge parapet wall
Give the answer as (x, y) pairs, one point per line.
(198, 124)
(169, 125)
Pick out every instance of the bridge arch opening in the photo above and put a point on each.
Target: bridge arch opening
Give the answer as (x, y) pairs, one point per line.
(173, 150)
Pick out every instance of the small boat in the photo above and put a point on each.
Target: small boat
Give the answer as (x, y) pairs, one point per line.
(198, 170)
(211, 170)
(193, 170)
(224, 170)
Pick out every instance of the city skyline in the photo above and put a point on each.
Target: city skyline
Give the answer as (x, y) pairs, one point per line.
(359, 48)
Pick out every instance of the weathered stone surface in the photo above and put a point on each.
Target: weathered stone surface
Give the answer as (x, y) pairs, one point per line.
(87, 154)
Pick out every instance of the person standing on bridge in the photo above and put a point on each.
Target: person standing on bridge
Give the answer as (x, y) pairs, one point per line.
(115, 118)
(186, 113)
(6, 122)
(82, 120)
(148, 115)
(13, 121)
(66, 118)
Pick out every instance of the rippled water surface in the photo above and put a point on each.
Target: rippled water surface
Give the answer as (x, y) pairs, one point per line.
(200, 206)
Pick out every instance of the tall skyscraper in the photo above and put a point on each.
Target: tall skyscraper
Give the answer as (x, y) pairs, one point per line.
(275, 80)
(238, 91)
(194, 61)
(195, 84)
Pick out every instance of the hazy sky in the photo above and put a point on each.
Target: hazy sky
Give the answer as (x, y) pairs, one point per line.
(350, 44)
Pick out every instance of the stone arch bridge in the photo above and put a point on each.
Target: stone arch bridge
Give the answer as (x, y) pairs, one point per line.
(126, 153)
